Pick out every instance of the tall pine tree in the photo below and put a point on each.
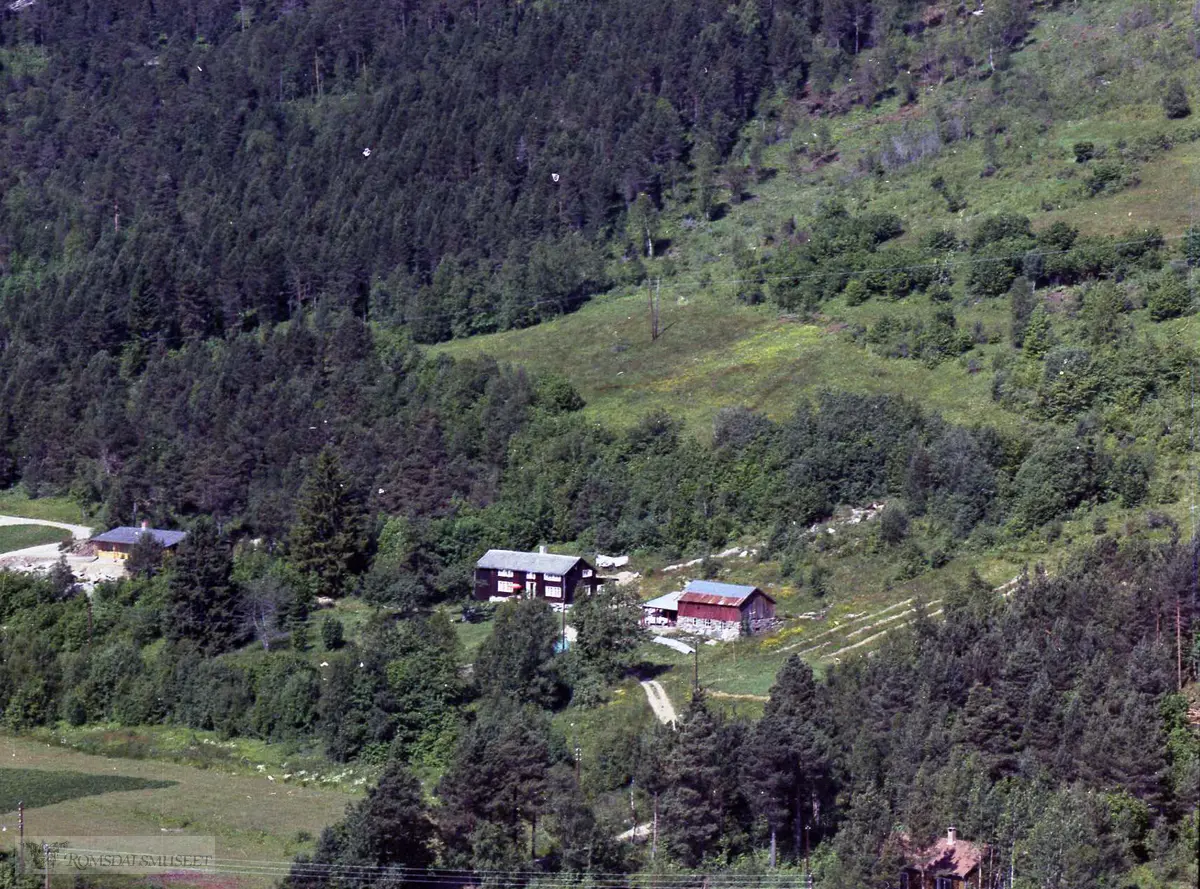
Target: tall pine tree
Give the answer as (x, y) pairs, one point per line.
(203, 606)
(327, 537)
(785, 766)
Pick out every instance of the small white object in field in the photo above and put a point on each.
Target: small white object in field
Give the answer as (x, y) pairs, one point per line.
(366, 152)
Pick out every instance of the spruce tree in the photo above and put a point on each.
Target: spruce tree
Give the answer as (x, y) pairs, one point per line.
(203, 605)
(390, 829)
(786, 761)
(516, 660)
(692, 808)
(327, 538)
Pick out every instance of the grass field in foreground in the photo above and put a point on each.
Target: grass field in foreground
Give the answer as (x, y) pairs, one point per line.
(250, 817)
(37, 787)
(15, 501)
(14, 537)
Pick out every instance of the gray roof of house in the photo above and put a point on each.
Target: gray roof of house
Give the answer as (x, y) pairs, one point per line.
(133, 535)
(669, 602)
(537, 563)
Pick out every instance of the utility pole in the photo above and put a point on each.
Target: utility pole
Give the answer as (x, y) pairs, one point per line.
(654, 829)
(1178, 643)
(654, 297)
(807, 828)
(46, 863)
(21, 837)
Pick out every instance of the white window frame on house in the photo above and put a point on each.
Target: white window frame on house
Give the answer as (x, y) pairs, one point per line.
(588, 572)
(553, 578)
(503, 573)
(553, 592)
(943, 883)
(505, 586)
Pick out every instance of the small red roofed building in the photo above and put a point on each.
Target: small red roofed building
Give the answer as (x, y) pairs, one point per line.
(724, 610)
(950, 863)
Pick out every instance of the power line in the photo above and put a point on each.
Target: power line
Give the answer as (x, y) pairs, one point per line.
(458, 876)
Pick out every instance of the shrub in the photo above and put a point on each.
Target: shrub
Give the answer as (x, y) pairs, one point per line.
(893, 525)
(996, 269)
(1084, 152)
(1175, 100)
(333, 634)
(1168, 297)
(856, 293)
(1109, 176)
(1000, 227)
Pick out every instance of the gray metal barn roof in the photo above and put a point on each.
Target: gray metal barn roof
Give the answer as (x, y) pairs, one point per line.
(669, 602)
(131, 536)
(537, 563)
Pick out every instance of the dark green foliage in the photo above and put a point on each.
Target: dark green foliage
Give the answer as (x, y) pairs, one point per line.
(893, 524)
(931, 340)
(702, 809)
(1000, 227)
(333, 634)
(517, 660)
(495, 787)
(1061, 472)
(786, 763)
(390, 830)
(608, 624)
(1038, 336)
(326, 542)
(1109, 175)
(203, 605)
(1168, 296)
(1084, 151)
(146, 557)
(37, 787)
(1175, 100)
(1022, 303)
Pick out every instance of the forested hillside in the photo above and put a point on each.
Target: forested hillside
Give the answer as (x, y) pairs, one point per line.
(354, 292)
(171, 172)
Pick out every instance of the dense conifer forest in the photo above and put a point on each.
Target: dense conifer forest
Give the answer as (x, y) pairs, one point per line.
(232, 233)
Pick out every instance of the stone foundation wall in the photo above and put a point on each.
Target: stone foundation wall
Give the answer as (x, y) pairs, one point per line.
(717, 629)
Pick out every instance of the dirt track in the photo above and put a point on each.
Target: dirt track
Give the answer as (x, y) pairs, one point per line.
(659, 702)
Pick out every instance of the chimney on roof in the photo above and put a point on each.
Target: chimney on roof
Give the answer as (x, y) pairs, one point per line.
(952, 834)
(542, 550)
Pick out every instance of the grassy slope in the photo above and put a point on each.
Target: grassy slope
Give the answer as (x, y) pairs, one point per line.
(16, 502)
(1101, 84)
(14, 537)
(716, 353)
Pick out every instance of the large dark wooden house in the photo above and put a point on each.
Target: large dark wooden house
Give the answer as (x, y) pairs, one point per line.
(950, 863)
(503, 573)
(119, 542)
(724, 610)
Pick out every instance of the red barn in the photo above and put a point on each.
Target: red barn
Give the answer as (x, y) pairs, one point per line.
(724, 610)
